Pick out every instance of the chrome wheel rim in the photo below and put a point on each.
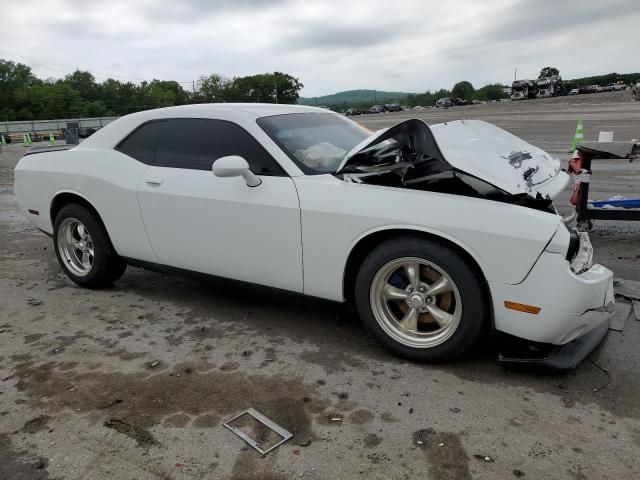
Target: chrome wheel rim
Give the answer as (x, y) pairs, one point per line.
(75, 246)
(415, 302)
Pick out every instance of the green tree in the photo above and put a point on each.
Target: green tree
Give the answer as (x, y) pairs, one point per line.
(122, 97)
(287, 88)
(463, 90)
(212, 88)
(274, 87)
(16, 80)
(548, 72)
(493, 91)
(84, 83)
(158, 93)
(25, 97)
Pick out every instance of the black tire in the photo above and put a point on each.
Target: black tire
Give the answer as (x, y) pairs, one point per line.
(470, 284)
(107, 266)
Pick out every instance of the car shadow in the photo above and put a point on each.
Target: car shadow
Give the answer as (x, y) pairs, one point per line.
(338, 334)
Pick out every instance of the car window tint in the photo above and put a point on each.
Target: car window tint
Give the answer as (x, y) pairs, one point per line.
(196, 143)
(143, 142)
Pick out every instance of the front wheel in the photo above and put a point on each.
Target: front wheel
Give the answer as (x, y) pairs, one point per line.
(421, 299)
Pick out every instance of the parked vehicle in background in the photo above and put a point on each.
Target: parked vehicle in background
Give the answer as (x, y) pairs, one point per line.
(444, 102)
(352, 111)
(550, 86)
(439, 234)
(574, 91)
(619, 86)
(598, 88)
(635, 90)
(523, 89)
(86, 132)
(394, 107)
(376, 109)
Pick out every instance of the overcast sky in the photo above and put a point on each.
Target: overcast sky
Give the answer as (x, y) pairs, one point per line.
(331, 46)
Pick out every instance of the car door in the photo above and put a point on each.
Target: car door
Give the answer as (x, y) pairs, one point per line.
(220, 226)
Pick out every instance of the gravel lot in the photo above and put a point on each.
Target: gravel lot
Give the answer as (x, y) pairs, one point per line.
(135, 381)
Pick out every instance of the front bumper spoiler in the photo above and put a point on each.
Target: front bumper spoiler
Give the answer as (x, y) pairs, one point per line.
(558, 357)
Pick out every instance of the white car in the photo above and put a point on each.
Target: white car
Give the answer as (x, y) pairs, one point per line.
(438, 234)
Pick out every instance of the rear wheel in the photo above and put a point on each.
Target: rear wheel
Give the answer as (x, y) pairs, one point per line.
(421, 299)
(83, 248)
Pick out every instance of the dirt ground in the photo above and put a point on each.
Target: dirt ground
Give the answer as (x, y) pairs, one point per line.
(134, 381)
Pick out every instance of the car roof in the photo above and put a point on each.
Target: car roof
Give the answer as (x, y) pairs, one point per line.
(115, 131)
(257, 109)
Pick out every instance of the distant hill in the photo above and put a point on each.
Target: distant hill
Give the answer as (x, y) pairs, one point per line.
(366, 98)
(628, 78)
(354, 97)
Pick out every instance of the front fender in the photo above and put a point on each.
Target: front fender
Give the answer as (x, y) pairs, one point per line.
(505, 240)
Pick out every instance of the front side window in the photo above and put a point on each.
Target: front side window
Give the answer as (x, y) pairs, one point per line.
(316, 142)
(195, 143)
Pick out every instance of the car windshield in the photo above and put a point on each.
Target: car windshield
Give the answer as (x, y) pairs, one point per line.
(316, 142)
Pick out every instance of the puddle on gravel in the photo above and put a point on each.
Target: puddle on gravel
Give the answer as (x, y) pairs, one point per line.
(135, 402)
(36, 424)
(19, 465)
(142, 436)
(446, 457)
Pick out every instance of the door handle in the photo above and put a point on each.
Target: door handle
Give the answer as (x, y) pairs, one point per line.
(154, 181)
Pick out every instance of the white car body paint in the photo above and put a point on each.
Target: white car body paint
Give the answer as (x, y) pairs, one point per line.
(107, 179)
(219, 226)
(266, 234)
(350, 211)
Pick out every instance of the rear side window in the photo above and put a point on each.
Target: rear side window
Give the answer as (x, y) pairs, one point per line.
(143, 142)
(196, 143)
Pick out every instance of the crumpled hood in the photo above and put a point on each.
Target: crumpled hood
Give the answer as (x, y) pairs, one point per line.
(487, 152)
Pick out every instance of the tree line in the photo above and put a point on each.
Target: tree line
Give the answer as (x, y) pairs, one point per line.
(463, 90)
(606, 79)
(23, 96)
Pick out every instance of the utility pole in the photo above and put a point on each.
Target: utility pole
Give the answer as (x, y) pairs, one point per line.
(275, 85)
(515, 74)
(193, 86)
(375, 96)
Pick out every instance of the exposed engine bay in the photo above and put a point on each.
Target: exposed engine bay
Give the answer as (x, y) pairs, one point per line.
(408, 156)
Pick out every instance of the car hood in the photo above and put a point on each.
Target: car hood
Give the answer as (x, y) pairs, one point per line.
(479, 149)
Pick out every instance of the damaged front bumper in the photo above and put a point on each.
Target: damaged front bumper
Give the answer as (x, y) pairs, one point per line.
(555, 357)
(576, 301)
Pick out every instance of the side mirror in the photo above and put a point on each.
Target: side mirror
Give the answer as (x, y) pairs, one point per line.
(235, 166)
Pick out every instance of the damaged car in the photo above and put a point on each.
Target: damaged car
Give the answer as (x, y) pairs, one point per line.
(437, 234)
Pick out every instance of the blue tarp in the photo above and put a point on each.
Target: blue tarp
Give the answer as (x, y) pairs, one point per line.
(626, 203)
